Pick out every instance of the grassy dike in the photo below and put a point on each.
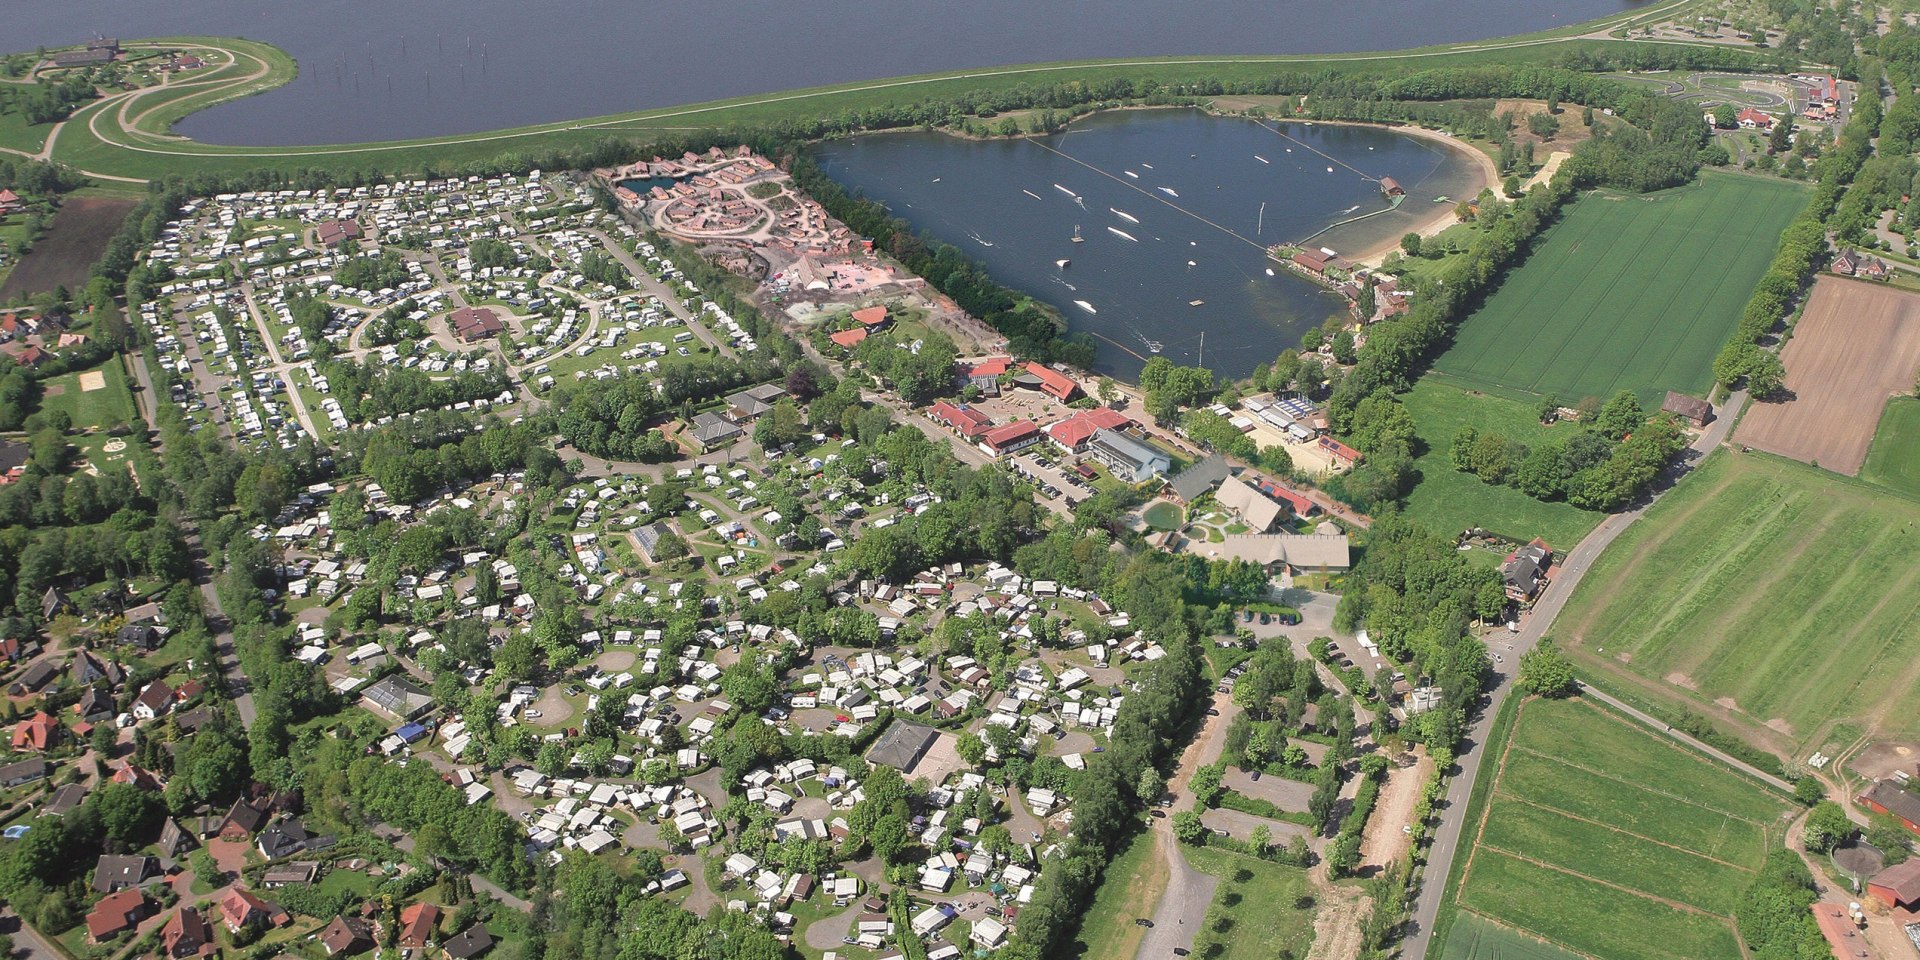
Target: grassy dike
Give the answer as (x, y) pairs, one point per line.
(128, 136)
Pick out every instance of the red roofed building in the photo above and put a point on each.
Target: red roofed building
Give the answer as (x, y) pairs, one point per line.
(1298, 503)
(1073, 433)
(963, 420)
(28, 356)
(115, 914)
(38, 732)
(849, 338)
(1752, 119)
(335, 231)
(1010, 438)
(1897, 886)
(1312, 260)
(240, 909)
(10, 202)
(473, 324)
(417, 925)
(1341, 453)
(186, 935)
(873, 318)
(1053, 383)
(990, 367)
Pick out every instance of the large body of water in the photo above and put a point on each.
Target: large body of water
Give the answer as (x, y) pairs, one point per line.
(393, 69)
(1001, 201)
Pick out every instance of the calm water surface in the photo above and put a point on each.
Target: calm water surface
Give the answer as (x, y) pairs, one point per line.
(392, 69)
(1187, 190)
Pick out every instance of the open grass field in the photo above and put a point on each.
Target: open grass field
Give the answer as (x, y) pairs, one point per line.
(1857, 344)
(110, 401)
(1609, 841)
(1259, 909)
(63, 256)
(1130, 888)
(1780, 600)
(1894, 459)
(1628, 292)
(1448, 500)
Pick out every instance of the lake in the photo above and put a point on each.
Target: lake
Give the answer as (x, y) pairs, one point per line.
(1169, 205)
(394, 69)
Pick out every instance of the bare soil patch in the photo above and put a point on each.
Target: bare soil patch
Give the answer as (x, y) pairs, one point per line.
(1857, 345)
(1386, 839)
(1880, 760)
(76, 239)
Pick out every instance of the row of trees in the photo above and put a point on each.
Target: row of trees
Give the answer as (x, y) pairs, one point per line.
(1603, 467)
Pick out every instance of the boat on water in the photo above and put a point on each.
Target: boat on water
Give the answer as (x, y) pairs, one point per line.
(1195, 303)
(936, 179)
(1064, 190)
(1122, 214)
(1193, 263)
(1030, 193)
(1264, 159)
(1329, 169)
(1130, 173)
(1169, 192)
(1269, 271)
(1147, 166)
(1077, 238)
(1088, 307)
(1122, 234)
(1062, 264)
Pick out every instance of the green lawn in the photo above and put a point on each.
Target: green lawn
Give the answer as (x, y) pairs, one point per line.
(1130, 889)
(1449, 500)
(1782, 600)
(1609, 840)
(113, 403)
(1894, 459)
(1258, 910)
(1629, 292)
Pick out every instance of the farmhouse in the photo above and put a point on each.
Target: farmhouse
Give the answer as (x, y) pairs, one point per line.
(1885, 796)
(1129, 459)
(1898, 886)
(1691, 409)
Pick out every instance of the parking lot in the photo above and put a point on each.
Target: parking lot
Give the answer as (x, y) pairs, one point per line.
(1056, 482)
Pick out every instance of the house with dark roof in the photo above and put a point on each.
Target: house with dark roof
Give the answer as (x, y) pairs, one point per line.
(1887, 797)
(154, 701)
(1130, 460)
(1198, 480)
(120, 871)
(346, 936)
(750, 403)
(140, 636)
(89, 669)
(174, 839)
(902, 746)
(54, 603)
(23, 771)
(283, 839)
(64, 799)
(293, 871)
(243, 819)
(647, 538)
(472, 942)
(474, 324)
(1691, 409)
(116, 913)
(397, 697)
(1525, 571)
(710, 430)
(36, 676)
(94, 705)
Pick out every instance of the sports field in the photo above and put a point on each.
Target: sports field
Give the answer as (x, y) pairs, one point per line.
(1447, 500)
(93, 398)
(1629, 292)
(1608, 840)
(1894, 459)
(1780, 600)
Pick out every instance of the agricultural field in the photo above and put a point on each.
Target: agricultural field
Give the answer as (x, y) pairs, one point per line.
(1781, 601)
(1894, 459)
(76, 238)
(1628, 292)
(93, 398)
(1856, 345)
(1449, 500)
(1610, 841)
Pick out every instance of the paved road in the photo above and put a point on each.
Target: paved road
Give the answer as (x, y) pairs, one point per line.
(27, 942)
(1183, 904)
(1446, 838)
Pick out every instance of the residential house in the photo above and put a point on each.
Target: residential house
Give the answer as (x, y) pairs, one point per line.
(1525, 572)
(54, 603)
(154, 701)
(120, 871)
(175, 840)
(186, 934)
(116, 913)
(140, 636)
(750, 403)
(419, 924)
(23, 771)
(283, 839)
(346, 936)
(241, 909)
(94, 705)
(293, 871)
(468, 944)
(39, 733)
(36, 676)
(474, 324)
(710, 431)
(243, 819)
(1691, 409)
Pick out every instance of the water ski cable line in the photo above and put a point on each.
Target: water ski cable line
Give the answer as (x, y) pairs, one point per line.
(1146, 193)
(1329, 158)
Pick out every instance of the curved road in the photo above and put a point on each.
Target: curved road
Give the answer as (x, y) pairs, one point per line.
(1446, 837)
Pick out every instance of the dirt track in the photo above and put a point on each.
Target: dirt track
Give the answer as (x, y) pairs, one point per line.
(1857, 345)
(76, 239)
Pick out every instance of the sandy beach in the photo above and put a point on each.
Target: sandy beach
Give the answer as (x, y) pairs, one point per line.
(1440, 217)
